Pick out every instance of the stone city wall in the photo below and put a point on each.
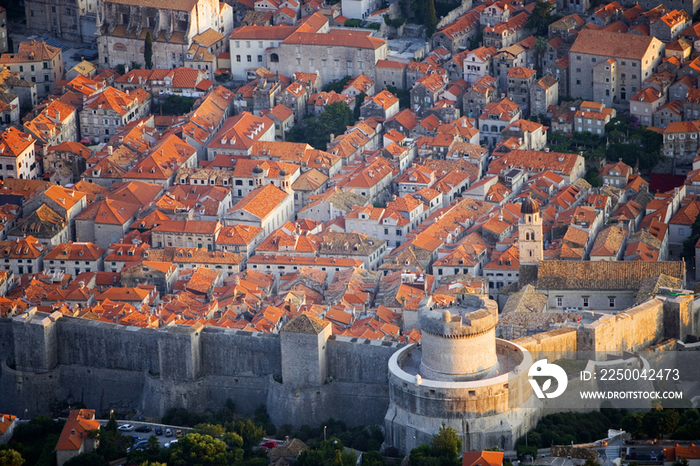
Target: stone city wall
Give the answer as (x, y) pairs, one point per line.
(105, 366)
(632, 330)
(554, 344)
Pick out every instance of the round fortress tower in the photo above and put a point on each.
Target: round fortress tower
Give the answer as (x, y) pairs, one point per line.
(459, 343)
(461, 376)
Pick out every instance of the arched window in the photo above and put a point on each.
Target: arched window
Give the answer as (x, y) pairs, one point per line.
(274, 58)
(119, 47)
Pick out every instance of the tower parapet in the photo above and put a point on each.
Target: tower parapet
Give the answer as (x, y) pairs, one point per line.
(459, 342)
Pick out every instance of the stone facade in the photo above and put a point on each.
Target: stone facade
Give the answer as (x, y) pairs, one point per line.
(103, 114)
(543, 93)
(520, 80)
(334, 56)
(68, 20)
(641, 57)
(123, 27)
(38, 63)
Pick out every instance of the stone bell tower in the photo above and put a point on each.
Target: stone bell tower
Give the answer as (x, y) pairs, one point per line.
(530, 242)
(530, 229)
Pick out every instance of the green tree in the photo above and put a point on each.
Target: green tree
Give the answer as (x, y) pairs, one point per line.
(87, 459)
(199, 450)
(250, 433)
(359, 100)
(112, 425)
(213, 430)
(593, 177)
(430, 19)
(447, 442)
(373, 458)
(177, 105)
(148, 51)
(11, 458)
(403, 95)
(310, 457)
(317, 130)
(47, 455)
(233, 440)
(540, 18)
(419, 453)
(153, 444)
(349, 458)
(541, 48)
(681, 462)
(591, 462)
(337, 85)
(113, 445)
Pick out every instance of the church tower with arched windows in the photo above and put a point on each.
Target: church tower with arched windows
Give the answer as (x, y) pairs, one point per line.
(530, 229)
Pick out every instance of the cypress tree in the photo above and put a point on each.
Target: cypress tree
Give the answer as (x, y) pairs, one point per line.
(148, 51)
(430, 19)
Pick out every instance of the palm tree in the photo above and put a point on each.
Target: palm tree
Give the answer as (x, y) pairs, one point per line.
(541, 48)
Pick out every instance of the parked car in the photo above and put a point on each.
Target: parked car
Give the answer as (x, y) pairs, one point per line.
(126, 428)
(168, 433)
(143, 428)
(159, 431)
(170, 444)
(269, 444)
(178, 433)
(140, 445)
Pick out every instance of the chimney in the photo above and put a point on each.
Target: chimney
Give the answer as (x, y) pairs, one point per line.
(110, 150)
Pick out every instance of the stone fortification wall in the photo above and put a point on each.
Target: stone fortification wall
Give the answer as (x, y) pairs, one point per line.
(100, 345)
(454, 14)
(632, 330)
(7, 343)
(108, 366)
(355, 391)
(554, 344)
(360, 360)
(469, 399)
(680, 318)
(234, 353)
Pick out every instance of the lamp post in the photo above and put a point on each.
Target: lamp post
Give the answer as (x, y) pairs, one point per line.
(526, 435)
(324, 433)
